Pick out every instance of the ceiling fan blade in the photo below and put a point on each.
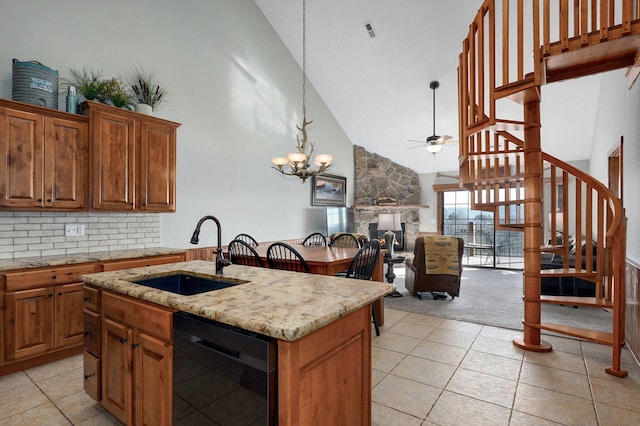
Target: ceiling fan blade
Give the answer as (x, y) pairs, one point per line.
(415, 140)
(417, 146)
(444, 138)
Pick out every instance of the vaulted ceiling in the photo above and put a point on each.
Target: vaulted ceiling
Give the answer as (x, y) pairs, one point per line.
(378, 88)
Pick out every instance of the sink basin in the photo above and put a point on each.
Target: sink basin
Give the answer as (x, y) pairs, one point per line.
(185, 284)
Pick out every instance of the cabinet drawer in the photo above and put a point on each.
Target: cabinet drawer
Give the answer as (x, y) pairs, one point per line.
(92, 332)
(91, 298)
(46, 277)
(151, 318)
(92, 376)
(137, 263)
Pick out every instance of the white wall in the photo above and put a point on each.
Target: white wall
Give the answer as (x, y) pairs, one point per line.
(618, 112)
(233, 85)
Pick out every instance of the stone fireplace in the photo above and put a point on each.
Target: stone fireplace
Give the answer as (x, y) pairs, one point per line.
(377, 176)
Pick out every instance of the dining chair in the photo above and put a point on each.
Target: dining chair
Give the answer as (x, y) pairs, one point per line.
(363, 266)
(242, 253)
(345, 240)
(247, 239)
(283, 256)
(315, 239)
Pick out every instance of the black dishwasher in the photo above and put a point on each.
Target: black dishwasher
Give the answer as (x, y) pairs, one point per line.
(222, 375)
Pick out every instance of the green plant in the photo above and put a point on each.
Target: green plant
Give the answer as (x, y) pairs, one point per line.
(113, 91)
(87, 82)
(146, 88)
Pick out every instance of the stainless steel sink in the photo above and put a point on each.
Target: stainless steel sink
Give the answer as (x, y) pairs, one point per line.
(186, 284)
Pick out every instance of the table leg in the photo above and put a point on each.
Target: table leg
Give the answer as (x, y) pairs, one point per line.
(378, 305)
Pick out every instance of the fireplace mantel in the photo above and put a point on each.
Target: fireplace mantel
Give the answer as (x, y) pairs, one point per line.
(402, 207)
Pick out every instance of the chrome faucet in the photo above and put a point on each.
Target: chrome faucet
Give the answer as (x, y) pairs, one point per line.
(220, 261)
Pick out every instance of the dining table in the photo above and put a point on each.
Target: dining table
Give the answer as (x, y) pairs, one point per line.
(331, 260)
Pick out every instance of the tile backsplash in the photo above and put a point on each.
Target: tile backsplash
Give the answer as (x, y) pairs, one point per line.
(26, 234)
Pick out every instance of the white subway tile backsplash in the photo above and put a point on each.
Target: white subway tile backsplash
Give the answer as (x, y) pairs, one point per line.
(26, 234)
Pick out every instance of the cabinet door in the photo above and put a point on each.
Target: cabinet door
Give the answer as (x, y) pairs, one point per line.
(157, 167)
(69, 328)
(21, 146)
(28, 322)
(153, 370)
(65, 163)
(113, 161)
(116, 370)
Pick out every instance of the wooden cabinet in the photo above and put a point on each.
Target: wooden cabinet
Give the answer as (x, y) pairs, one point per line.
(137, 360)
(44, 158)
(133, 160)
(137, 263)
(42, 311)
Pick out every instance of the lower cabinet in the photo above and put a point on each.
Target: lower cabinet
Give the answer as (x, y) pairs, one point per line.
(136, 360)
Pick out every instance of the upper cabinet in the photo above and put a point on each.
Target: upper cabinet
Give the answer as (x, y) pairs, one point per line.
(132, 160)
(107, 159)
(45, 158)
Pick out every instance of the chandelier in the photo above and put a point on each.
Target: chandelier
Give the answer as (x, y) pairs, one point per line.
(299, 162)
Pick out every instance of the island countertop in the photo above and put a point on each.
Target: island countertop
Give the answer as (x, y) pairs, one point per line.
(281, 304)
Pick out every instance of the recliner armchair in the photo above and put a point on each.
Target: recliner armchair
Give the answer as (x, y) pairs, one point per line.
(417, 280)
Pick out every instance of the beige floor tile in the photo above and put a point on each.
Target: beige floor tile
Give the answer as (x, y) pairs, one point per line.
(453, 409)
(54, 368)
(608, 415)
(385, 360)
(439, 352)
(555, 379)
(483, 387)
(405, 395)
(396, 342)
(451, 337)
(382, 415)
(78, 406)
(498, 347)
(554, 406)
(494, 365)
(13, 381)
(564, 344)
(21, 400)
(421, 319)
(499, 333)
(424, 371)
(596, 368)
(596, 350)
(394, 314)
(46, 414)
(376, 376)
(419, 331)
(64, 384)
(461, 326)
(524, 419)
(555, 359)
(617, 393)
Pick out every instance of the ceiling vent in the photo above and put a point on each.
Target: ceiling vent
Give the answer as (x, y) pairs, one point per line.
(369, 28)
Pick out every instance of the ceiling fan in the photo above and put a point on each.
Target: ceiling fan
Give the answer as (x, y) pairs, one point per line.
(434, 143)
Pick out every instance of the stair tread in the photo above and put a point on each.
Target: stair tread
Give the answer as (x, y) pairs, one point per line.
(552, 248)
(603, 337)
(591, 302)
(568, 272)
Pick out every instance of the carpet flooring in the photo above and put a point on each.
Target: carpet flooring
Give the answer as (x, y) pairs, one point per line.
(494, 297)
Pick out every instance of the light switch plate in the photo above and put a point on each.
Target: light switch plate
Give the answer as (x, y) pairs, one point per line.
(73, 230)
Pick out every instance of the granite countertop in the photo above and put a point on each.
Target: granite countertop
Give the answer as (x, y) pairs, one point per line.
(281, 304)
(74, 259)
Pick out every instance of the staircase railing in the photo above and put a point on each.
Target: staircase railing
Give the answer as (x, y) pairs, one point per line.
(510, 51)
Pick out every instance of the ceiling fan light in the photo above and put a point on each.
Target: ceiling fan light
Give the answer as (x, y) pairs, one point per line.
(434, 148)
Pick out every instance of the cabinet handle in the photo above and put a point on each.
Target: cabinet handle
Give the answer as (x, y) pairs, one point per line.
(60, 294)
(50, 295)
(12, 322)
(48, 200)
(134, 345)
(123, 340)
(87, 376)
(87, 333)
(86, 298)
(54, 277)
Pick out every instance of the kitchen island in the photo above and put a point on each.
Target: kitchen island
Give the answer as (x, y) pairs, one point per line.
(322, 326)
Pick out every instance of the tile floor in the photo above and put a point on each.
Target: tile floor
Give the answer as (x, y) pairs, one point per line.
(426, 371)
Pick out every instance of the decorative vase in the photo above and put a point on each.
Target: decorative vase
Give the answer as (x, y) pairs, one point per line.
(144, 109)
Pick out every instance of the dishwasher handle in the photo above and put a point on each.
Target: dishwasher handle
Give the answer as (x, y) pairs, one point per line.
(217, 348)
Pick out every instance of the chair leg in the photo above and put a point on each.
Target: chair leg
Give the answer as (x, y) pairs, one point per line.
(375, 321)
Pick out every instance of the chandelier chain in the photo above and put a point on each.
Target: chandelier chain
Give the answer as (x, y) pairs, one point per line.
(304, 58)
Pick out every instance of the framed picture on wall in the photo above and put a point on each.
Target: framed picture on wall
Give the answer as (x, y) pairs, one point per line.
(328, 190)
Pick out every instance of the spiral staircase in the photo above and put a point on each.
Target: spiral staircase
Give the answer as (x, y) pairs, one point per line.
(501, 162)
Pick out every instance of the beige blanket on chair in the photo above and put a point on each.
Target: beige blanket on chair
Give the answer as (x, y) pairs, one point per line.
(441, 255)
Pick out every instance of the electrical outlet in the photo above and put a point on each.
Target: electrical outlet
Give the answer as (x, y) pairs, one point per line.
(73, 230)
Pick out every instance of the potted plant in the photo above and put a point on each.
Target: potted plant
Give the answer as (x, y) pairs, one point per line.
(87, 82)
(147, 90)
(114, 92)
